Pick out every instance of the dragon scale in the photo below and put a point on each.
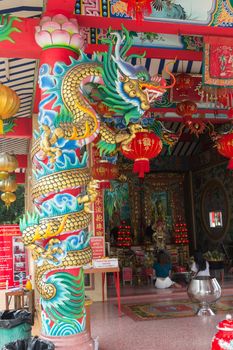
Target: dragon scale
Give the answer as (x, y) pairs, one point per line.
(83, 116)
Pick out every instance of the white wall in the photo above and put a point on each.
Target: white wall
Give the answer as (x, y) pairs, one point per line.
(2, 299)
(96, 294)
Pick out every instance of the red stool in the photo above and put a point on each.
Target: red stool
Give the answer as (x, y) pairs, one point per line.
(127, 275)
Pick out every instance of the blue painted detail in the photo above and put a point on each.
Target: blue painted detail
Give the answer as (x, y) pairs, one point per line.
(69, 160)
(20, 9)
(78, 242)
(60, 204)
(161, 66)
(57, 257)
(189, 66)
(175, 67)
(45, 323)
(65, 329)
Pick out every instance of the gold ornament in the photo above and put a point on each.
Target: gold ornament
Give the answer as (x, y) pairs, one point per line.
(8, 163)
(9, 104)
(8, 198)
(4, 175)
(8, 185)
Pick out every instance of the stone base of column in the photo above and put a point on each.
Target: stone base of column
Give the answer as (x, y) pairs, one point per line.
(80, 341)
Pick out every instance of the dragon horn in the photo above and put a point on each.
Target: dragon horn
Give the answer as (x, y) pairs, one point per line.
(171, 75)
(118, 45)
(124, 67)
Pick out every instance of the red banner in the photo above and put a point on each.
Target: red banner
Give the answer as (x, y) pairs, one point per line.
(97, 245)
(13, 259)
(218, 63)
(99, 215)
(192, 93)
(99, 202)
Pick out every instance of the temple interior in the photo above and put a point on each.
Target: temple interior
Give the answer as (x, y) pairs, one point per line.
(116, 160)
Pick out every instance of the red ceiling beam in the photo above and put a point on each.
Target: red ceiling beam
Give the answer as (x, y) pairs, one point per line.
(22, 129)
(152, 27)
(32, 50)
(152, 52)
(199, 111)
(26, 47)
(205, 119)
(60, 6)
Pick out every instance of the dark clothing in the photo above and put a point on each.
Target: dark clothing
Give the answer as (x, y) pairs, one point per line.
(162, 270)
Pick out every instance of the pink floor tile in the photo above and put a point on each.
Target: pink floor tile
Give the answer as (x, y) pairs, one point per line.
(193, 333)
(123, 333)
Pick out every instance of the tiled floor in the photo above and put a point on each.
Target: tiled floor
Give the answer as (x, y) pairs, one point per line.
(192, 333)
(122, 333)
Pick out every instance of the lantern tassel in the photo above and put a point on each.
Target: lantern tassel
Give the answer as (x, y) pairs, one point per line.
(141, 166)
(230, 164)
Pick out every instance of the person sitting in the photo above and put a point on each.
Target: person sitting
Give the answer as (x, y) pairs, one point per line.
(200, 266)
(163, 272)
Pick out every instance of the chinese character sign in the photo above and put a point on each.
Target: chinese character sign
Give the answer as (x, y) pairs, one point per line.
(13, 259)
(99, 215)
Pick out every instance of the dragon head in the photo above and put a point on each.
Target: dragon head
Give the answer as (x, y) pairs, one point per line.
(141, 89)
(129, 89)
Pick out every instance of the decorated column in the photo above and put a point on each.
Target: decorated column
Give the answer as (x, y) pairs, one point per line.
(57, 230)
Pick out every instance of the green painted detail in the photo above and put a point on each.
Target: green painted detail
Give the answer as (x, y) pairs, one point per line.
(8, 125)
(68, 303)
(30, 219)
(217, 13)
(63, 117)
(230, 4)
(191, 42)
(6, 28)
(163, 101)
(151, 37)
(61, 47)
(115, 199)
(106, 148)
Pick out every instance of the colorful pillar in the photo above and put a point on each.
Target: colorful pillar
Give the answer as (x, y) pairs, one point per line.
(62, 189)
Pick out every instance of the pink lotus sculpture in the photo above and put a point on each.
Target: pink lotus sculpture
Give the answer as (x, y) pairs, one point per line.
(59, 31)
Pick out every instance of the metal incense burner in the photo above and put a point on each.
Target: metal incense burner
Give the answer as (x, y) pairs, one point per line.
(205, 291)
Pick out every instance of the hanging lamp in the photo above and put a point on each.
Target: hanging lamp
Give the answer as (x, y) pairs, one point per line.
(8, 164)
(145, 146)
(138, 8)
(9, 104)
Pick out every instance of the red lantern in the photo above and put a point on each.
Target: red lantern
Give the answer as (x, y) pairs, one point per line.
(137, 8)
(104, 170)
(146, 145)
(184, 82)
(186, 109)
(223, 339)
(225, 148)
